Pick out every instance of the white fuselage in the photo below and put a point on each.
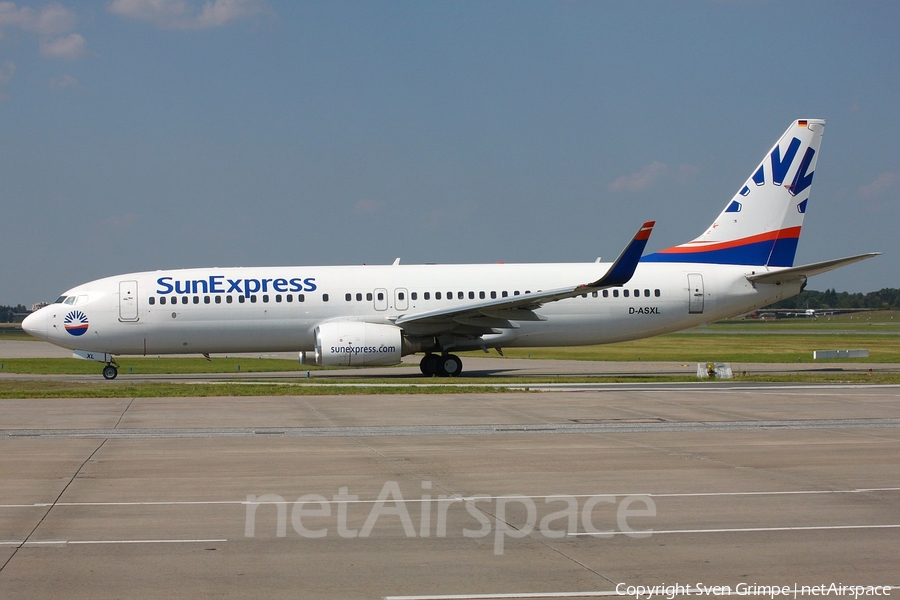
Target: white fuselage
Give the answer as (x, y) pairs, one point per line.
(260, 309)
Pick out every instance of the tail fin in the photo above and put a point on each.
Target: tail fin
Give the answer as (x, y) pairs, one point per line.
(761, 225)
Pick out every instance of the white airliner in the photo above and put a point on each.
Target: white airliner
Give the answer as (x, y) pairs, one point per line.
(374, 315)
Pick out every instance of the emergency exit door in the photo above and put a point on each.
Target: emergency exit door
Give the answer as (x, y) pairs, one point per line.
(695, 288)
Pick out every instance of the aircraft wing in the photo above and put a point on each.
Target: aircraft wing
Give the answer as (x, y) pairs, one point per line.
(805, 271)
(486, 315)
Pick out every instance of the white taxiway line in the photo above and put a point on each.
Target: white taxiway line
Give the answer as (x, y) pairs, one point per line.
(77, 542)
(464, 498)
(649, 532)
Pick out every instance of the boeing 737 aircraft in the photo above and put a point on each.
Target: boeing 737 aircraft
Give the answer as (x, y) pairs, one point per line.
(374, 315)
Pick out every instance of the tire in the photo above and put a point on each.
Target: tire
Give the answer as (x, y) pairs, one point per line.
(429, 365)
(110, 372)
(450, 365)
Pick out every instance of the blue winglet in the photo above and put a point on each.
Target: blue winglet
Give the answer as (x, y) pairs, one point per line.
(623, 268)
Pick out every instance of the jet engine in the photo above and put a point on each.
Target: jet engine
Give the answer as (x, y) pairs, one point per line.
(355, 344)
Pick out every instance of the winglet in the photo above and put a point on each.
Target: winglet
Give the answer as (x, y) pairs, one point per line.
(623, 268)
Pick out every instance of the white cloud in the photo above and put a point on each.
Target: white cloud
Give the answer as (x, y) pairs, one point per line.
(49, 23)
(882, 183)
(70, 47)
(52, 19)
(178, 14)
(640, 180)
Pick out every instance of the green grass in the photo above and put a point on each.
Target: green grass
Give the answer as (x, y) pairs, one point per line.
(152, 366)
(104, 389)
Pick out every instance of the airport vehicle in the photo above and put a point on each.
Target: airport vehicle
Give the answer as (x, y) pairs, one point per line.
(375, 314)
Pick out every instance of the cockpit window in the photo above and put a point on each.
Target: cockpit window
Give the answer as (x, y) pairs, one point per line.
(69, 300)
(81, 300)
(60, 300)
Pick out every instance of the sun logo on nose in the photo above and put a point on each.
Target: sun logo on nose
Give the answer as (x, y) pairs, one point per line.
(76, 322)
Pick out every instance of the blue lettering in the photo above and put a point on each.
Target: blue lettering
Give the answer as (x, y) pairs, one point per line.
(202, 283)
(186, 290)
(780, 167)
(235, 286)
(164, 286)
(215, 282)
(264, 284)
(280, 285)
(251, 286)
(310, 284)
(296, 284)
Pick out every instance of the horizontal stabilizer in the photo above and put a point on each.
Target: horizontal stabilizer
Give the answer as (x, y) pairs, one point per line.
(806, 271)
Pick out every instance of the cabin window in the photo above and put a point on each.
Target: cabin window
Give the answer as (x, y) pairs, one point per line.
(584, 295)
(289, 298)
(437, 295)
(427, 295)
(594, 294)
(646, 293)
(471, 295)
(253, 298)
(265, 297)
(401, 296)
(301, 297)
(324, 297)
(625, 293)
(413, 296)
(277, 297)
(505, 294)
(151, 300)
(637, 293)
(241, 299)
(481, 295)
(516, 293)
(359, 297)
(348, 297)
(184, 299)
(606, 293)
(615, 293)
(493, 295)
(229, 299)
(461, 295)
(205, 299)
(218, 299)
(380, 296)
(196, 299)
(656, 293)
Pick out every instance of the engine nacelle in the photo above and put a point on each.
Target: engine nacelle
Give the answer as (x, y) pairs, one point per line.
(355, 344)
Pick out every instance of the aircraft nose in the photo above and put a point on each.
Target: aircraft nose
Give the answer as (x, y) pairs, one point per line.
(35, 324)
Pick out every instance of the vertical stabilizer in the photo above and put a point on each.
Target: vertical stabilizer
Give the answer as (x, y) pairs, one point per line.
(761, 225)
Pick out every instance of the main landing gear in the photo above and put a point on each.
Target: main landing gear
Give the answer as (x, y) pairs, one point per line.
(442, 365)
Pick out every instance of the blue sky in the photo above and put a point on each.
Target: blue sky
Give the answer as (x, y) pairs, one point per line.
(149, 134)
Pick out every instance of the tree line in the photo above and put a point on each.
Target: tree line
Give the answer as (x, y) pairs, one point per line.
(883, 299)
(7, 313)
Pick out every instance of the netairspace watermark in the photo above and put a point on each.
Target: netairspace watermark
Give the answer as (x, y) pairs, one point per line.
(671, 591)
(511, 516)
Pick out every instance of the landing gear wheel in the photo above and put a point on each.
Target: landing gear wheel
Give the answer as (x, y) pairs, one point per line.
(429, 364)
(110, 372)
(450, 365)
